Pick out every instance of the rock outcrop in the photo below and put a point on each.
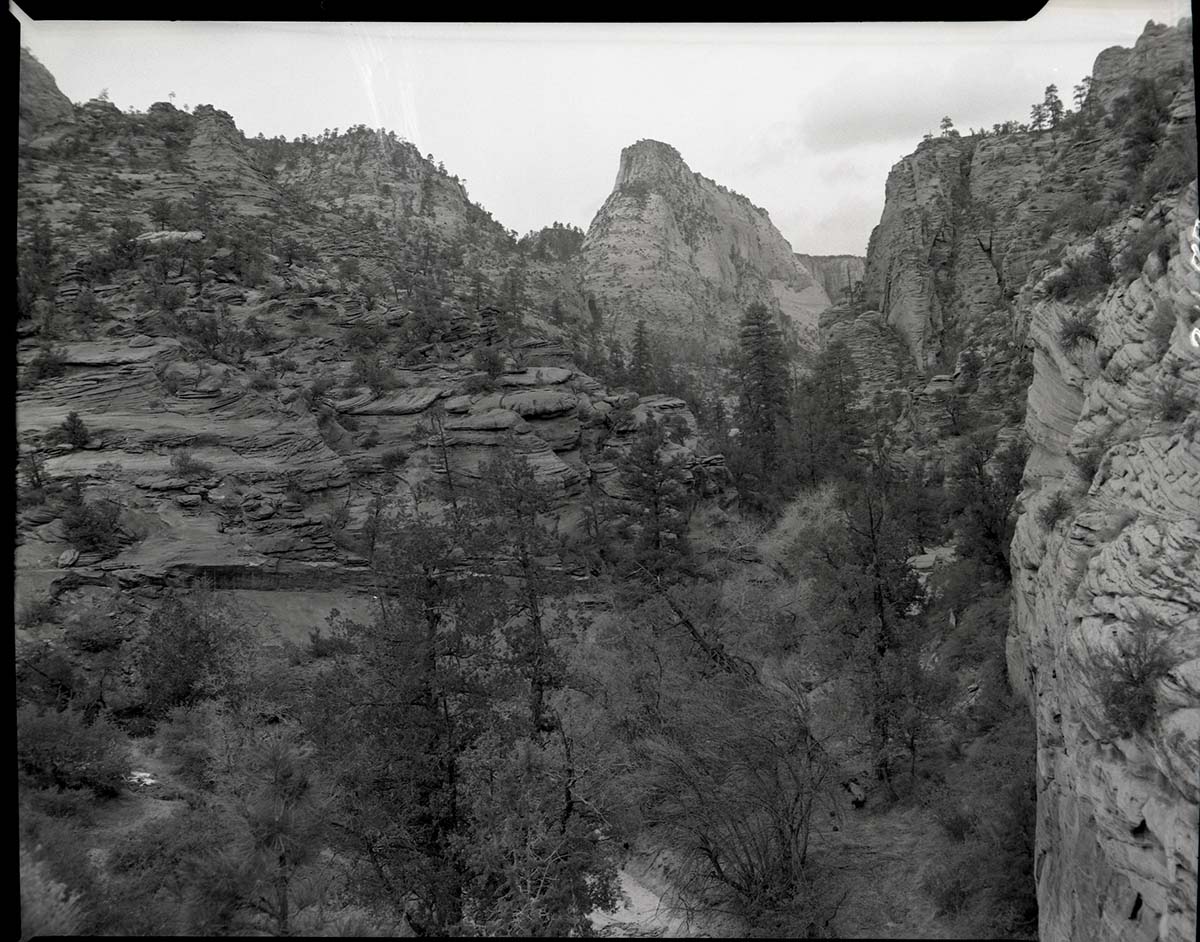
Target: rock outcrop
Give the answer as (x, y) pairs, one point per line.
(967, 221)
(1119, 811)
(298, 340)
(837, 274)
(978, 265)
(687, 255)
(41, 106)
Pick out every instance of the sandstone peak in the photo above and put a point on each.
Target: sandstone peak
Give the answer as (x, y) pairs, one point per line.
(674, 248)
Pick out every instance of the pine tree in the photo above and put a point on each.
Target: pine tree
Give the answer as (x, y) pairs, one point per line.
(640, 362)
(424, 690)
(1080, 94)
(763, 405)
(985, 486)
(1053, 105)
(1038, 116)
(658, 498)
(618, 374)
(523, 555)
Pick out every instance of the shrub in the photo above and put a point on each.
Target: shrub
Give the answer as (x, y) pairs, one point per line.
(36, 612)
(371, 372)
(261, 332)
(186, 465)
(1153, 238)
(959, 822)
(951, 885)
(293, 492)
(262, 382)
(1084, 217)
(48, 363)
(1171, 405)
(1076, 328)
(1173, 167)
(94, 633)
(393, 458)
(185, 737)
(33, 466)
(77, 803)
(490, 361)
(1124, 680)
(74, 431)
(61, 750)
(477, 383)
(91, 526)
(366, 337)
(322, 645)
(191, 649)
(1054, 510)
(47, 906)
(321, 385)
(1083, 276)
(1161, 327)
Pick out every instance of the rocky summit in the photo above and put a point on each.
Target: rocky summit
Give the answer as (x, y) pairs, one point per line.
(687, 255)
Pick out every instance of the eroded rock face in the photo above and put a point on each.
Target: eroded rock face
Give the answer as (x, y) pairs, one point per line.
(958, 269)
(256, 461)
(969, 221)
(1158, 49)
(688, 255)
(41, 106)
(1118, 814)
(837, 274)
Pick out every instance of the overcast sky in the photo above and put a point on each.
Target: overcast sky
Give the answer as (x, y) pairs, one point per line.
(805, 120)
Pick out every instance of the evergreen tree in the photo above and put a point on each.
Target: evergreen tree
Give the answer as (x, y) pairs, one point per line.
(618, 375)
(524, 557)
(658, 498)
(762, 410)
(1053, 105)
(424, 688)
(985, 486)
(640, 362)
(828, 427)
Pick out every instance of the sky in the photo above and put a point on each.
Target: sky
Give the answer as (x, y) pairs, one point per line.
(804, 119)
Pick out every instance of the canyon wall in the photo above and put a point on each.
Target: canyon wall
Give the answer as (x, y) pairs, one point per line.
(255, 378)
(1058, 262)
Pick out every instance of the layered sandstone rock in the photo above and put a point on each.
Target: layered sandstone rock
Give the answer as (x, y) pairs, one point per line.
(1118, 814)
(41, 105)
(837, 274)
(687, 255)
(287, 446)
(958, 267)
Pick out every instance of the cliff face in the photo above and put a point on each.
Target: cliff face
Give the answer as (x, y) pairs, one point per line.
(41, 106)
(1159, 49)
(968, 220)
(979, 265)
(688, 255)
(837, 274)
(318, 308)
(1117, 812)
